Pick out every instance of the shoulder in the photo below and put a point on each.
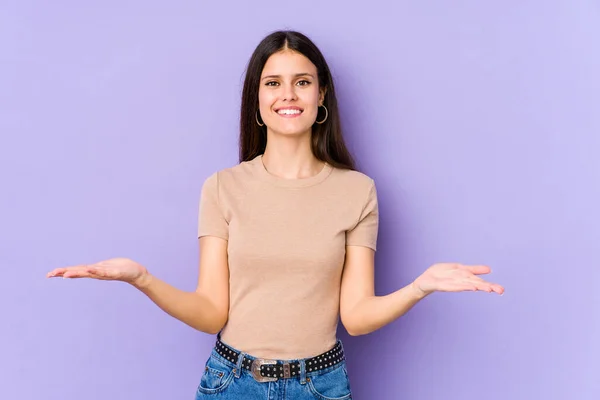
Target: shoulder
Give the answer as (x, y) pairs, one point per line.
(355, 188)
(353, 180)
(237, 176)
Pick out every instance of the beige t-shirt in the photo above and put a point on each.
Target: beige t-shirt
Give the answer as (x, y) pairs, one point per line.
(286, 250)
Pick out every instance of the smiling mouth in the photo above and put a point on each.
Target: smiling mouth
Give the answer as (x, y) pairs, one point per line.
(289, 112)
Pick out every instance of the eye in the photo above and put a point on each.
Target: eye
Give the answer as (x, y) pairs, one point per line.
(306, 83)
(270, 82)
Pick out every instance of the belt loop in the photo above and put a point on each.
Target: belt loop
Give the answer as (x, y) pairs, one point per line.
(302, 372)
(238, 364)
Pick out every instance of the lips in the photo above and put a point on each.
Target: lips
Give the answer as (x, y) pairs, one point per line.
(289, 108)
(289, 112)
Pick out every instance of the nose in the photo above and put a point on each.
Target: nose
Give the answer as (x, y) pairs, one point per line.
(289, 92)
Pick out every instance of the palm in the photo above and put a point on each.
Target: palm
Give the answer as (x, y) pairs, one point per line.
(453, 277)
(120, 269)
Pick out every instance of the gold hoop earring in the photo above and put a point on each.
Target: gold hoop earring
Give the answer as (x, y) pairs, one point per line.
(256, 116)
(326, 115)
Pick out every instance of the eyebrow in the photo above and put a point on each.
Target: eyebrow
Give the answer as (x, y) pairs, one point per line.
(296, 76)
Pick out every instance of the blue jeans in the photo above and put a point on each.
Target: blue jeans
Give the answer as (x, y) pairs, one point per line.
(226, 380)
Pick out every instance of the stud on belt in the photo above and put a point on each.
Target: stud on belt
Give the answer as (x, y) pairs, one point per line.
(264, 370)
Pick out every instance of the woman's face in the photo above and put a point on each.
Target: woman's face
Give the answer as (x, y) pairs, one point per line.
(289, 94)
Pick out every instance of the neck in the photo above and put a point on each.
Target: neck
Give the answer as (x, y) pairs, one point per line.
(290, 157)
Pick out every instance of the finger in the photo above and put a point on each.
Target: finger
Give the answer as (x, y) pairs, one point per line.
(61, 271)
(471, 283)
(487, 286)
(458, 287)
(57, 272)
(99, 273)
(77, 272)
(484, 287)
(479, 283)
(498, 288)
(476, 269)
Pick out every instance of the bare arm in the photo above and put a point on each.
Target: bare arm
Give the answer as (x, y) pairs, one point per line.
(362, 312)
(192, 308)
(206, 309)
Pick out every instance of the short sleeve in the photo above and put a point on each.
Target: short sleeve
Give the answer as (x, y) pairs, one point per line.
(211, 221)
(365, 231)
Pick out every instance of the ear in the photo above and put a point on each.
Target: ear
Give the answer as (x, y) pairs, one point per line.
(322, 92)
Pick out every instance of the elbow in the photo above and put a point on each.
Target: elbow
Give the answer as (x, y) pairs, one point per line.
(212, 329)
(354, 329)
(353, 333)
(356, 316)
(214, 322)
(219, 324)
(356, 332)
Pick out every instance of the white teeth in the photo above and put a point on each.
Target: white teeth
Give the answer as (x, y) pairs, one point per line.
(289, 112)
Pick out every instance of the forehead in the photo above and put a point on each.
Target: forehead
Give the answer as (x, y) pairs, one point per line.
(288, 62)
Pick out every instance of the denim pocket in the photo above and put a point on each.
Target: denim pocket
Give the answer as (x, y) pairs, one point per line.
(217, 376)
(331, 385)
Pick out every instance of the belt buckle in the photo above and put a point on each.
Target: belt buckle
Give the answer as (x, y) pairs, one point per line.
(256, 364)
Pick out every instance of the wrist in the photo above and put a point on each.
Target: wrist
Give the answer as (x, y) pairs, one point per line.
(417, 291)
(143, 281)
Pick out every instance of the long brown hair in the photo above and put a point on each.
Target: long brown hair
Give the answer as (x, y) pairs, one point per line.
(327, 141)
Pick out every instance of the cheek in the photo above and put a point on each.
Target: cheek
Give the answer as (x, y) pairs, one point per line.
(312, 99)
(310, 113)
(265, 100)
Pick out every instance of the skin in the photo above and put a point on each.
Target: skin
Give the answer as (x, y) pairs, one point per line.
(288, 153)
(288, 80)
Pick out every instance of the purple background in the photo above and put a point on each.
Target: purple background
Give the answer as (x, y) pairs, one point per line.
(479, 121)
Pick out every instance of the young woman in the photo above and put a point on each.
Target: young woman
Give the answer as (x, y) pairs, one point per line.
(287, 240)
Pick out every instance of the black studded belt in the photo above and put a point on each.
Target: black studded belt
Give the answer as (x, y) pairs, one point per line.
(264, 370)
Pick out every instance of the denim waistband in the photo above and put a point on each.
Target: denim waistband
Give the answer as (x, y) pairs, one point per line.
(301, 361)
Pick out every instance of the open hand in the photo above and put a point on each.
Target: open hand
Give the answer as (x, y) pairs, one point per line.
(117, 269)
(454, 277)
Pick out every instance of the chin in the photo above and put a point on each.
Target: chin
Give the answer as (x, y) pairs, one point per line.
(291, 130)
